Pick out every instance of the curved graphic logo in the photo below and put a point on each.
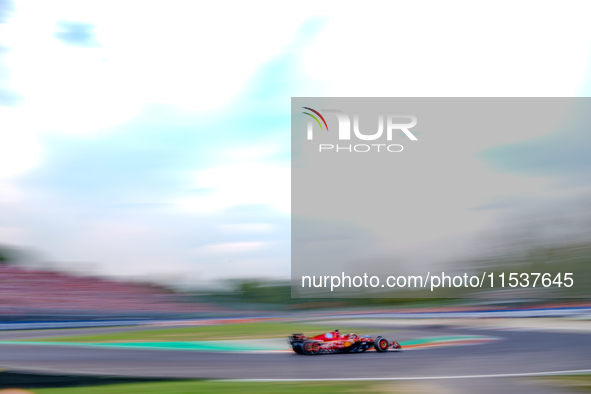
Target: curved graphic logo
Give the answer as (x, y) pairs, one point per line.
(315, 118)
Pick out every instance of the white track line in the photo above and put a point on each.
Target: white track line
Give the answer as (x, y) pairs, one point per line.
(7, 367)
(502, 375)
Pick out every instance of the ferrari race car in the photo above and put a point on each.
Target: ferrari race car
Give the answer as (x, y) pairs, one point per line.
(334, 342)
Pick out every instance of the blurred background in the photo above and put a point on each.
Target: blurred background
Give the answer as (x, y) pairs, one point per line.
(145, 166)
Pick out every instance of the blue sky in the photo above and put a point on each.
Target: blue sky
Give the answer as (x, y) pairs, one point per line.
(152, 138)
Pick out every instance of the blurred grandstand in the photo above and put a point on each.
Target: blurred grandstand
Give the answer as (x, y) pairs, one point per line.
(35, 293)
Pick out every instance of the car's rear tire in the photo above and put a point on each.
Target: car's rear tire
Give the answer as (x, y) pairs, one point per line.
(298, 348)
(311, 348)
(381, 344)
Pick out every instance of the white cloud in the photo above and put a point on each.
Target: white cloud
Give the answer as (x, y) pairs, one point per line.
(241, 184)
(197, 56)
(9, 193)
(247, 228)
(11, 236)
(453, 48)
(233, 247)
(19, 148)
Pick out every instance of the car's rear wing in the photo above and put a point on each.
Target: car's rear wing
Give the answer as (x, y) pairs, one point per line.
(298, 337)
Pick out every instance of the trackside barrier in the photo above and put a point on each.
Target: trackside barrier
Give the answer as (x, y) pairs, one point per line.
(573, 312)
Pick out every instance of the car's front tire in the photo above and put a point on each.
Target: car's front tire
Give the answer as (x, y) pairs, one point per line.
(381, 344)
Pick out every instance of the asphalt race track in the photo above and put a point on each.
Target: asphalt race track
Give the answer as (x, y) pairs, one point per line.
(515, 353)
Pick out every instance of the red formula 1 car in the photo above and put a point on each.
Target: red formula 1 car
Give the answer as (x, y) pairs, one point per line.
(334, 342)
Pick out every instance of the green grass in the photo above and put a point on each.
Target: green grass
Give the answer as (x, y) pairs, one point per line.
(575, 383)
(190, 387)
(204, 333)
